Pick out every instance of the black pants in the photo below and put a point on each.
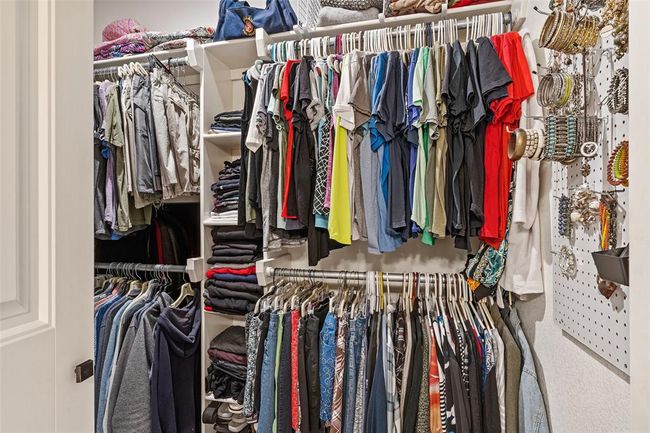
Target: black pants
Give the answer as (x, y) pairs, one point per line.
(284, 379)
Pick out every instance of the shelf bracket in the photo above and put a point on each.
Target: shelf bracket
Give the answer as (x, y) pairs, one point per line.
(194, 55)
(262, 42)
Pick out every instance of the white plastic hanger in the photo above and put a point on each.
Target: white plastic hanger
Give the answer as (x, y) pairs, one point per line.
(186, 291)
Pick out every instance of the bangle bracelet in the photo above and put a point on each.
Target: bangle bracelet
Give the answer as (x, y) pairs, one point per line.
(618, 165)
(517, 144)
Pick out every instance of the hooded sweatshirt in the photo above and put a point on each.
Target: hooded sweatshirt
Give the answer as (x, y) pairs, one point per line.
(175, 372)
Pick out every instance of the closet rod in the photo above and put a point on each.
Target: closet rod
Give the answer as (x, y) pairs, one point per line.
(393, 277)
(182, 61)
(460, 25)
(119, 266)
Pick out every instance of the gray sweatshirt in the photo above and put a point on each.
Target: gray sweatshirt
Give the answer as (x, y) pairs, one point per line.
(132, 409)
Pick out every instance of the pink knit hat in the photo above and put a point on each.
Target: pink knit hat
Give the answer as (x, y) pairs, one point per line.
(121, 27)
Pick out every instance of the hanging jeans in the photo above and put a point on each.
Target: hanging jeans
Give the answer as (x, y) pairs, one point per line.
(267, 378)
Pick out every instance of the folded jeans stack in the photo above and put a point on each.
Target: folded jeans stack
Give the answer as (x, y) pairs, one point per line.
(226, 376)
(226, 194)
(229, 121)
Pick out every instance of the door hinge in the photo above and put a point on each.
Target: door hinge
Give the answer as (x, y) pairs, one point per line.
(84, 370)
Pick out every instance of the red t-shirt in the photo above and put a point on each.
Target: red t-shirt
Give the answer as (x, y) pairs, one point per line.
(507, 112)
(243, 271)
(288, 116)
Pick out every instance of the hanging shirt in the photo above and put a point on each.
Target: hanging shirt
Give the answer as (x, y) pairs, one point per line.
(507, 112)
(523, 271)
(340, 221)
(438, 213)
(286, 96)
(385, 241)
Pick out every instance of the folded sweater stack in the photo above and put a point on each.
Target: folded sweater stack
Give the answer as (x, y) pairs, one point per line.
(226, 376)
(231, 284)
(232, 291)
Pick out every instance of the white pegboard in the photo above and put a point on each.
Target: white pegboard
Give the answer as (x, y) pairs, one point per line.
(579, 309)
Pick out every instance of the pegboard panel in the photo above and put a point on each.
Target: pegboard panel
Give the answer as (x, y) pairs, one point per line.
(579, 309)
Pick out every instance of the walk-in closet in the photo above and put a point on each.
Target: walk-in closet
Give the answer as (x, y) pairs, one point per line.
(323, 216)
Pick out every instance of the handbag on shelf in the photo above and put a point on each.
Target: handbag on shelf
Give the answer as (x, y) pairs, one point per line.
(239, 20)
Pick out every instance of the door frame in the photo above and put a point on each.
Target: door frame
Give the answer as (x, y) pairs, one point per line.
(46, 326)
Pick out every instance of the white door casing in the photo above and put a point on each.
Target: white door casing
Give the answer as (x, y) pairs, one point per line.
(46, 195)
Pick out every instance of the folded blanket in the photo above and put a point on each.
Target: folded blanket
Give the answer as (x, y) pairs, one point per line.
(141, 42)
(330, 16)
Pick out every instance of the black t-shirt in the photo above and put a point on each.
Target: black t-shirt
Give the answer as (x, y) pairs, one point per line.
(493, 76)
(475, 150)
(457, 217)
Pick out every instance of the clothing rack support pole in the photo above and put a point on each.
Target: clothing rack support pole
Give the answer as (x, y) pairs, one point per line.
(264, 42)
(393, 277)
(177, 269)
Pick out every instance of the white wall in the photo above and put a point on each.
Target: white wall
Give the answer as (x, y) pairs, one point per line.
(584, 394)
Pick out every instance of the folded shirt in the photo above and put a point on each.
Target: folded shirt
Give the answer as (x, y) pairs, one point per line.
(226, 208)
(229, 234)
(241, 245)
(233, 251)
(233, 266)
(226, 202)
(215, 293)
(241, 286)
(227, 194)
(232, 370)
(232, 339)
(229, 306)
(252, 279)
(229, 114)
(233, 358)
(233, 259)
(229, 176)
(229, 214)
(225, 188)
(225, 129)
(250, 270)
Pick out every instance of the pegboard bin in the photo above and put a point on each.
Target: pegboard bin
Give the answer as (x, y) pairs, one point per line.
(613, 265)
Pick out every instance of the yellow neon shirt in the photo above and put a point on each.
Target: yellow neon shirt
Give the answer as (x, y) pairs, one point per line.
(339, 224)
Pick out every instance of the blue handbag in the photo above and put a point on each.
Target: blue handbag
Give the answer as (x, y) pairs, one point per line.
(239, 20)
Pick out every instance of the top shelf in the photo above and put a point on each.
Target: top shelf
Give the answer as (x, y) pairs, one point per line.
(234, 54)
(162, 55)
(242, 53)
(403, 20)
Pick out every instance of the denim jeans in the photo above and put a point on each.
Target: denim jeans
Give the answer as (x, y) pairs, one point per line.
(357, 328)
(327, 358)
(267, 378)
(532, 410)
